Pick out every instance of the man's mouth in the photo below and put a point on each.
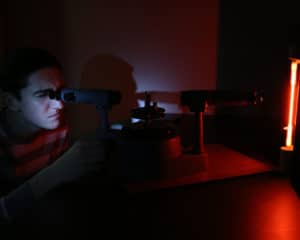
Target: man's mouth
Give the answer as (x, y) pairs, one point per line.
(54, 116)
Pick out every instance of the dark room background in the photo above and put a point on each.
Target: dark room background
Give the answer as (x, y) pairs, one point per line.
(135, 46)
(165, 46)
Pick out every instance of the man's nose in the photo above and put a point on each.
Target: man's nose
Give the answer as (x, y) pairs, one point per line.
(57, 104)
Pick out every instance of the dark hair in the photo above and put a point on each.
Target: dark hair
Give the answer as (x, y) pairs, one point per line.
(22, 62)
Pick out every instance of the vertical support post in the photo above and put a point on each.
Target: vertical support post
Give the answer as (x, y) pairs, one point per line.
(198, 147)
(104, 123)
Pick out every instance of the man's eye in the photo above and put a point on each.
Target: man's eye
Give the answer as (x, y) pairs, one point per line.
(42, 94)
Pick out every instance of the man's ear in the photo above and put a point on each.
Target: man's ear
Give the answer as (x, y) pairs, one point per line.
(12, 103)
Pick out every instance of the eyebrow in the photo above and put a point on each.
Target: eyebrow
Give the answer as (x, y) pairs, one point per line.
(43, 91)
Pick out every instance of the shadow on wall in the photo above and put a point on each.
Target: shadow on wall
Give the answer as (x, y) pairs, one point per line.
(108, 72)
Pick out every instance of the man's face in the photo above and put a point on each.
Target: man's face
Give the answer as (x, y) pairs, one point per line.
(36, 107)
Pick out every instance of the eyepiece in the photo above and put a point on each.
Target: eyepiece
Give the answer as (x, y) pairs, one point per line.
(54, 94)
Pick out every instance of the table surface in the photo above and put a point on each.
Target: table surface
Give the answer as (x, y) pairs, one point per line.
(261, 206)
(217, 163)
(232, 196)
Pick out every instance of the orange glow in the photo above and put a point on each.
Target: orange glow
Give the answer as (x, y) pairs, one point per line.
(292, 105)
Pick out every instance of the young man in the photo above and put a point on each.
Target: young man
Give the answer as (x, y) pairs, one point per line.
(35, 156)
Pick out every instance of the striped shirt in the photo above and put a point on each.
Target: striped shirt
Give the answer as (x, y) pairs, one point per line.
(29, 158)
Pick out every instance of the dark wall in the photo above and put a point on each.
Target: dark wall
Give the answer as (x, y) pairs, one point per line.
(168, 45)
(253, 48)
(253, 55)
(34, 23)
(2, 27)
